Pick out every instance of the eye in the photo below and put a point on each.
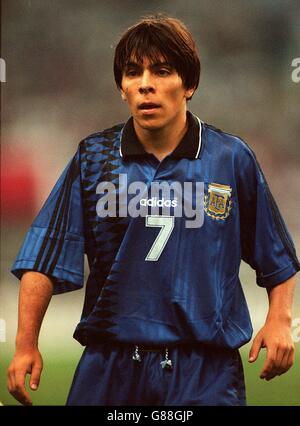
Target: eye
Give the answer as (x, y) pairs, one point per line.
(163, 72)
(131, 73)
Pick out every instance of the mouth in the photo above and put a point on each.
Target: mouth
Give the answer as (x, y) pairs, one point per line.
(148, 107)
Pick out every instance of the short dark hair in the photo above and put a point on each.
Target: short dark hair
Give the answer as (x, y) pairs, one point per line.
(157, 37)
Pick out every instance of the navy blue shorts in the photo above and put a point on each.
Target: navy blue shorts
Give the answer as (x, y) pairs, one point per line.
(200, 375)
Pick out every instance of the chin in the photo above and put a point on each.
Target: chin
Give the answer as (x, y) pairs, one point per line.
(150, 127)
(150, 123)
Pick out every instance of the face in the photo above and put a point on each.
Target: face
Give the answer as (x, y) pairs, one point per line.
(155, 94)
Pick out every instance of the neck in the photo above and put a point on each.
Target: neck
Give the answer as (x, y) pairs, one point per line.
(162, 141)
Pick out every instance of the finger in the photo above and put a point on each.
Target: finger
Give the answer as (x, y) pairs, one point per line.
(281, 362)
(19, 391)
(288, 360)
(255, 348)
(283, 367)
(271, 376)
(35, 376)
(9, 381)
(269, 363)
(20, 394)
(12, 380)
(22, 397)
(277, 367)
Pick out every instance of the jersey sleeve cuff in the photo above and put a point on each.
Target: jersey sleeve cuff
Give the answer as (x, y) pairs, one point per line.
(66, 270)
(63, 279)
(271, 280)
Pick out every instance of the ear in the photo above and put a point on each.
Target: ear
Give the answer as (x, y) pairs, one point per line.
(123, 95)
(189, 93)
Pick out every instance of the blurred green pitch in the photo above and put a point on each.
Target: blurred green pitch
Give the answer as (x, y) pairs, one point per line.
(58, 373)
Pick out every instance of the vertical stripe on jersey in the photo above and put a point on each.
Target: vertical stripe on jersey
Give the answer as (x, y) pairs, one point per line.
(58, 214)
(63, 219)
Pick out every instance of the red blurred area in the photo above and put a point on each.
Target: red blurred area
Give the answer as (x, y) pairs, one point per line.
(18, 185)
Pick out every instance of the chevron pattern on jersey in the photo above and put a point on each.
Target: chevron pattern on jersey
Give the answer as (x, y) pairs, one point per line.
(101, 162)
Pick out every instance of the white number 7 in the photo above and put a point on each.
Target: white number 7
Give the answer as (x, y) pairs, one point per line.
(166, 223)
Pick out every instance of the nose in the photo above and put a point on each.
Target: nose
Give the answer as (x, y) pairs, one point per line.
(146, 83)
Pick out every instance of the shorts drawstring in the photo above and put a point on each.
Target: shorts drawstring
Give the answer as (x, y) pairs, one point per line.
(136, 356)
(167, 363)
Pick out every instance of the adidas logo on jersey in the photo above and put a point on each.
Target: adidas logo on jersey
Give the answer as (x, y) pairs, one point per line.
(154, 202)
(137, 199)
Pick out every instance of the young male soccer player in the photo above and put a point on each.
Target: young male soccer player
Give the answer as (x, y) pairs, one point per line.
(165, 207)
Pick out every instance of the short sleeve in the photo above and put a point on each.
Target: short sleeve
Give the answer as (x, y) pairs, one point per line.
(266, 244)
(54, 244)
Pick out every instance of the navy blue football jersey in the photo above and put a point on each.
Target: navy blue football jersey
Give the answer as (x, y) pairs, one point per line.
(156, 277)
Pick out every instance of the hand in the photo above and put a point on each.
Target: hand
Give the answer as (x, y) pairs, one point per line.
(276, 337)
(24, 362)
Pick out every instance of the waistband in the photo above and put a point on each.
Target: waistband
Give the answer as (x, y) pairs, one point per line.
(160, 347)
(152, 347)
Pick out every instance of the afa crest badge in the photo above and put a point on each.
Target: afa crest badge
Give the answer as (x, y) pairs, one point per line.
(218, 202)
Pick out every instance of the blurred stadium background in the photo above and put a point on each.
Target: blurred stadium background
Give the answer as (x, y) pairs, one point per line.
(60, 88)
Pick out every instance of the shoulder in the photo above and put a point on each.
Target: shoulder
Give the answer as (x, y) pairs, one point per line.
(221, 141)
(225, 139)
(105, 139)
(231, 150)
(98, 149)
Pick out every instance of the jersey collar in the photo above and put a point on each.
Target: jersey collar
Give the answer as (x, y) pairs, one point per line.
(189, 146)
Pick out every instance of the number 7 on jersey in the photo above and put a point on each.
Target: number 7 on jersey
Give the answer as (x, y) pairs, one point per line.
(166, 223)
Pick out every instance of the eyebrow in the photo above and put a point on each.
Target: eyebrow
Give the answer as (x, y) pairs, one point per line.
(154, 65)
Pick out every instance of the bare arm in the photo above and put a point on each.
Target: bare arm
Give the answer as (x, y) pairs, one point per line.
(275, 335)
(35, 294)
